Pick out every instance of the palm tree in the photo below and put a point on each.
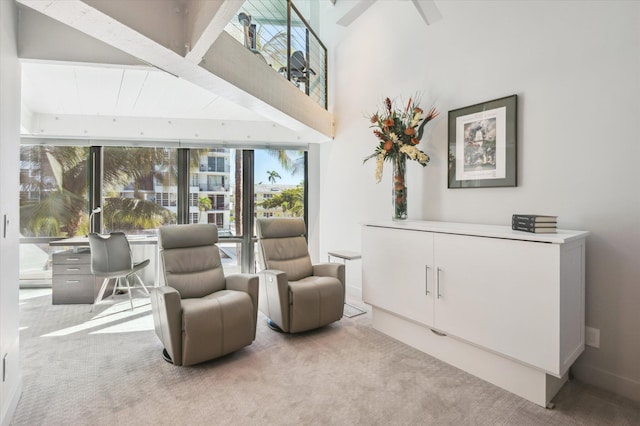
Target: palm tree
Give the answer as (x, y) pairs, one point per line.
(294, 165)
(273, 175)
(131, 214)
(204, 203)
(58, 178)
(61, 183)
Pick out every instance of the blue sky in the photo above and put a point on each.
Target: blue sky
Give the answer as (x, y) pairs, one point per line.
(265, 162)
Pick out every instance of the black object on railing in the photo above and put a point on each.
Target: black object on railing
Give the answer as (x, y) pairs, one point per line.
(277, 32)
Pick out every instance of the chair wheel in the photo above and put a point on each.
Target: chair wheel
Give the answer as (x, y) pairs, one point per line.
(272, 325)
(166, 357)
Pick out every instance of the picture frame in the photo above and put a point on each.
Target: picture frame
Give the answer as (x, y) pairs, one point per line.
(482, 144)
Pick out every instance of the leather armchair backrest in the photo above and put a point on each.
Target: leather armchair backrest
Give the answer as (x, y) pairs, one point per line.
(191, 259)
(110, 254)
(282, 246)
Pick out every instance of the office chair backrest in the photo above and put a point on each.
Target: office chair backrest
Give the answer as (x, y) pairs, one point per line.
(111, 255)
(297, 61)
(191, 259)
(282, 246)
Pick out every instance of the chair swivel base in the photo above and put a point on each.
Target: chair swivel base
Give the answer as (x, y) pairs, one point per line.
(272, 325)
(166, 357)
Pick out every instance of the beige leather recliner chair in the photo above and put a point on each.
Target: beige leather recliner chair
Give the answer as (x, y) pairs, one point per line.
(294, 294)
(200, 314)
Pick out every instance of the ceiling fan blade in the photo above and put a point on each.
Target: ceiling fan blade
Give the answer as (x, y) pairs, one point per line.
(354, 13)
(428, 10)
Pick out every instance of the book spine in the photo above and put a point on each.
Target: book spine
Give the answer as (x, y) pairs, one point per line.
(533, 218)
(530, 222)
(523, 220)
(529, 227)
(527, 217)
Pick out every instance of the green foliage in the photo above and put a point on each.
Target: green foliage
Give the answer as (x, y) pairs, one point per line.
(293, 165)
(290, 200)
(204, 203)
(62, 172)
(273, 176)
(131, 214)
(61, 180)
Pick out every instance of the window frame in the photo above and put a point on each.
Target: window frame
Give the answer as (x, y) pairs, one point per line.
(183, 198)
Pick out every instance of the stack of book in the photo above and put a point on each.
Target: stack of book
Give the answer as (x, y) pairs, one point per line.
(534, 223)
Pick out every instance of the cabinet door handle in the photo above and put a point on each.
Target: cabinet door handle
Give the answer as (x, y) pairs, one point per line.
(438, 282)
(426, 279)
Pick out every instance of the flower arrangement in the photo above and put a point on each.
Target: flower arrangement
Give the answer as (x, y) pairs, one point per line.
(398, 132)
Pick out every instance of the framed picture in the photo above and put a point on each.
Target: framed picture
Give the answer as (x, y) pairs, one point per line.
(482, 144)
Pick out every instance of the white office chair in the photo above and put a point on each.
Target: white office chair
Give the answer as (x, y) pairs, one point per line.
(111, 258)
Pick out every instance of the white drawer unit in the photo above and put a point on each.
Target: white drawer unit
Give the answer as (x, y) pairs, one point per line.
(72, 279)
(504, 305)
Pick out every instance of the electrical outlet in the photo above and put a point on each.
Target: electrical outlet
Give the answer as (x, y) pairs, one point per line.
(592, 337)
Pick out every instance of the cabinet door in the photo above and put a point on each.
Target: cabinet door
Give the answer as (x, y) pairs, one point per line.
(500, 294)
(397, 272)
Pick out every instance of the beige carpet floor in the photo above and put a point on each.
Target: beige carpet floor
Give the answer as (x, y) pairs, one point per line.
(105, 368)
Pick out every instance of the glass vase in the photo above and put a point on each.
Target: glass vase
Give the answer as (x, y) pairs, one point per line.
(399, 193)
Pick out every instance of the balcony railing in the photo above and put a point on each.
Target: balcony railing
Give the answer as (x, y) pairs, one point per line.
(214, 188)
(216, 169)
(276, 31)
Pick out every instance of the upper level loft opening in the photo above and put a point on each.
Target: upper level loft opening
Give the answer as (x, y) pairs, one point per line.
(276, 32)
(167, 69)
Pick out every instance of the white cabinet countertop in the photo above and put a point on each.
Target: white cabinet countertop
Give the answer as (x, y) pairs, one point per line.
(491, 231)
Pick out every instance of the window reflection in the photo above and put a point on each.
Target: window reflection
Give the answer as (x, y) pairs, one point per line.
(140, 190)
(213, 188)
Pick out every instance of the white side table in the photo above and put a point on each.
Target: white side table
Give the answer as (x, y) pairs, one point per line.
(347, 255)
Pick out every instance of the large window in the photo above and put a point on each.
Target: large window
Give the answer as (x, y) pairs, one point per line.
(279, 183)
(53, 191)
(279, 188)
(215, 186)
(138, 191)
(139, 187)
(53, 203)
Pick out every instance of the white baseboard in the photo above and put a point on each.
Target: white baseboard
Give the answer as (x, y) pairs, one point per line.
(12, 404)
(520, 379)
(619, 385)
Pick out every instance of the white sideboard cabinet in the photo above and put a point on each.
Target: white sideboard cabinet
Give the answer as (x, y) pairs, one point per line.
(504, 305)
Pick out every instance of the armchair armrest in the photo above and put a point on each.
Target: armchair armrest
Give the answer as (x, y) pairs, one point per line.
(332, 269)
(167, 319)
(249, 284)
(335, 270)
(274, 297)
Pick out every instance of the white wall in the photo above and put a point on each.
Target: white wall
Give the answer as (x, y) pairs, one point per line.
(575, 67)
(10, 387)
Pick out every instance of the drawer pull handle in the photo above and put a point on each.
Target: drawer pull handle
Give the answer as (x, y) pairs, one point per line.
(426, 280)
(73, 269)
(73, 258)
(73, 281)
